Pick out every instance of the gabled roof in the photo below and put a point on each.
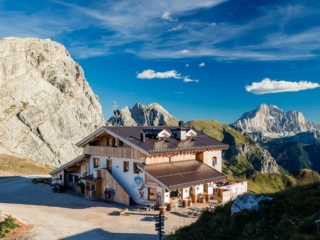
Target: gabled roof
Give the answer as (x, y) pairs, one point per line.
(132, 137)
(180, 174)
(68, 164)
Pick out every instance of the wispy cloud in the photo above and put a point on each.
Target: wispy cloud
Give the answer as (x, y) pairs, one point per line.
(187, 79)
(274, 86)
(179, 92)
(202, 64)
(270, 33)
(187, 65)
(151, 74)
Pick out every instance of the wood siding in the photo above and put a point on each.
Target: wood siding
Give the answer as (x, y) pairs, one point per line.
(165, 159)
(119, 152)
(108, 181)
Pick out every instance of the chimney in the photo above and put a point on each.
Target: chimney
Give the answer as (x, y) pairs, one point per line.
(143, 137)
(181, 134)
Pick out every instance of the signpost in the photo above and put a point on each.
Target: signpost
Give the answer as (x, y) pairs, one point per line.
(160, 225)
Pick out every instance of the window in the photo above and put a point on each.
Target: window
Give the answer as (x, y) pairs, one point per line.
(60, 176)
(109, 141)
(120, 143)
(214, 161)
(96, 162)
(109, 165)
(116, 142)
(125, 166)
(135, 168)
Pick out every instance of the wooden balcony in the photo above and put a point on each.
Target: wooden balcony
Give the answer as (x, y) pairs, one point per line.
(119, 152)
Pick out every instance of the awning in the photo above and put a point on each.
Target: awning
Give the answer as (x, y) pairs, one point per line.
(181, 174)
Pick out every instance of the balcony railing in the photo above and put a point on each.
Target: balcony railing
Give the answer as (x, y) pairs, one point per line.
(119, 152)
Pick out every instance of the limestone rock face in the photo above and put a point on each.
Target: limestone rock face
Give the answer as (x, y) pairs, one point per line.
(46, 103)
(248, 202)
(152, 115)
(270, 121)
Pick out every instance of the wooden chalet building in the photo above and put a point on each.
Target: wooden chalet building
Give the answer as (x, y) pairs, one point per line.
(146, 164)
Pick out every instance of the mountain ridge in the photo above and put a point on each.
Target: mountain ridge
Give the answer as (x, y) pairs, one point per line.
(272, 122)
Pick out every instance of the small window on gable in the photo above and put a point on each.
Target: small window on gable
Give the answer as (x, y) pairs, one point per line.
(214, 161)
(120, 143)
(96, 162)
(125, 166)
(109, 141)
(60, 176)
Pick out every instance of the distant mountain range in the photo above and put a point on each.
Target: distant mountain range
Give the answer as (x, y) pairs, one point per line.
(272, 122)
(152, 115)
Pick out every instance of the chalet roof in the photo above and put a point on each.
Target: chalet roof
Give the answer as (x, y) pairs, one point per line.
(68, 164)
(132, 137)
(188, 173)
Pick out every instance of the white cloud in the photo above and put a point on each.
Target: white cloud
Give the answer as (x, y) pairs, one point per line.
(185, 51)
(187, 79)
(213, 24)
(202, 64)
(273, 86)
(187, 65)
(166, 16)
(150, 74)
(177, 28)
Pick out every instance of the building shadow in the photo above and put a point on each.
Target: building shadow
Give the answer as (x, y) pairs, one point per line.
(99, 233)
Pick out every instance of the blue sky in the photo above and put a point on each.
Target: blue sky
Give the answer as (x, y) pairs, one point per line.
(199, 59)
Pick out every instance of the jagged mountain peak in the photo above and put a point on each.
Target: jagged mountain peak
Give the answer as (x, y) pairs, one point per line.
(271, 121)
(151, 115)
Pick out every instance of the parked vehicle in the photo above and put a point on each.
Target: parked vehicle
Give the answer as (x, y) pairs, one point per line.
(57, 185)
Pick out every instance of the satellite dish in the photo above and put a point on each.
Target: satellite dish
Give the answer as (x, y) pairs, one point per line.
(181, 123)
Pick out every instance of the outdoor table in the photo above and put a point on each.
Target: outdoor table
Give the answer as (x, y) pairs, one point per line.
(148, 205)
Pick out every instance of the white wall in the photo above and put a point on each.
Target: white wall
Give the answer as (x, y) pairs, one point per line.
(207, 159)
(125, 179)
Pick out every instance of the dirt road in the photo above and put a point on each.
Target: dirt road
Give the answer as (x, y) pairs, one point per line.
(71, 216)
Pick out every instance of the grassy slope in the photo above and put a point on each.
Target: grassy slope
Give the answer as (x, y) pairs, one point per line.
(20, 166)
(293, 156)
(269, 183)
(290, 215)
(235, 163)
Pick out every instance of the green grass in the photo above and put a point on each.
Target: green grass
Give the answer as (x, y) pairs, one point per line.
(21, 166)
(290, 215)
(7, 226)
(293, 156)
(260, 183)
(236, 163)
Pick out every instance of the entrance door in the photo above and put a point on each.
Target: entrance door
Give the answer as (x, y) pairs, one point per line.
(152, 194)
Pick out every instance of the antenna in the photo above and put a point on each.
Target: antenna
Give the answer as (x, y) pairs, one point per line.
(117, 121)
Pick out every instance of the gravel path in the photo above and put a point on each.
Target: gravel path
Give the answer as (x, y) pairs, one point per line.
(71, 216)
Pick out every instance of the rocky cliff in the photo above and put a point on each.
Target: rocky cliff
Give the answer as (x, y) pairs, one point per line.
(46, 103)
(270, 121)
(152, 115)
(243, 153)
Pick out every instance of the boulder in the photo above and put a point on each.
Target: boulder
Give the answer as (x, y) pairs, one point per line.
(247, 202)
